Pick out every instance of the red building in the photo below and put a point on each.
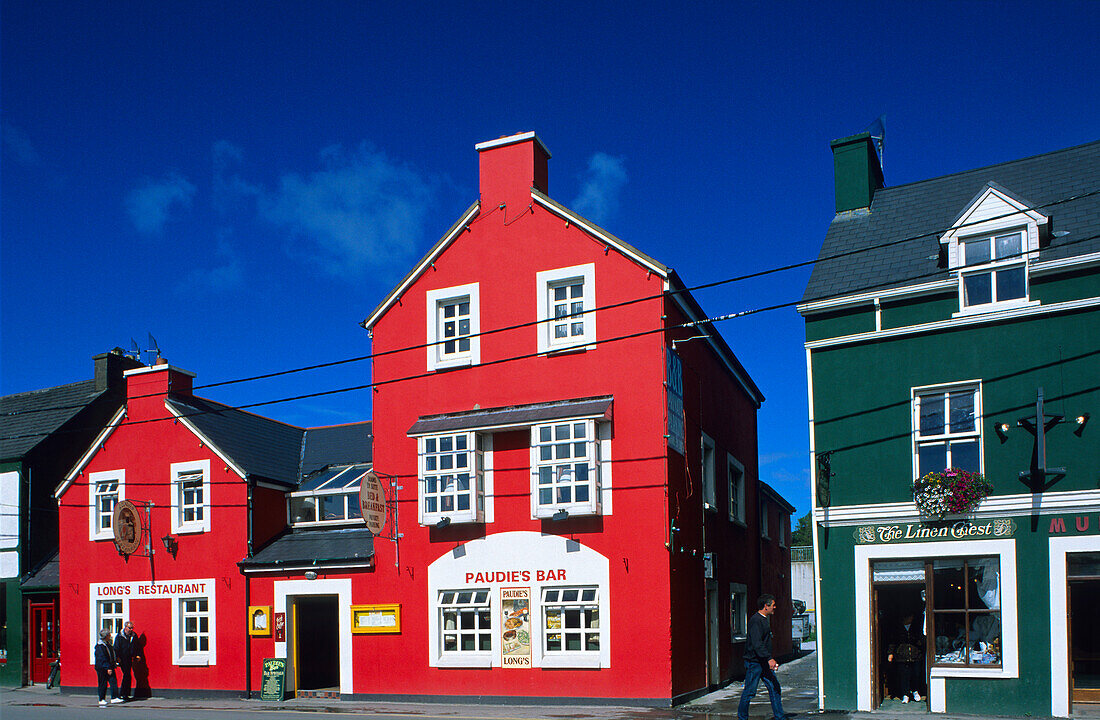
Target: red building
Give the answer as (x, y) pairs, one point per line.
(568, 455)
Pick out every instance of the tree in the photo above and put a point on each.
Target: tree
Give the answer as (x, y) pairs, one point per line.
(803, 534)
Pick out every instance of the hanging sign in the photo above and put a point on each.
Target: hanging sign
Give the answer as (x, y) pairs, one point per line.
(126, 523)
(372, 501)
(274, 679)
(515, 609)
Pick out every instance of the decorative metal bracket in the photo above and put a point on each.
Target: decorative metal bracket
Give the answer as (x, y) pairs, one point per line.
(1039, 425)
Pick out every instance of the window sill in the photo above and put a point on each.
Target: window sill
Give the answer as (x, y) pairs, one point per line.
(740, 638)
(193, 661)
(969, 672)
(738, 521)
(432, 520)
(579, 347)
(990, 308)
(571, 661)
(190, 530)
(473, 660)
(547, 513)
(452, 364)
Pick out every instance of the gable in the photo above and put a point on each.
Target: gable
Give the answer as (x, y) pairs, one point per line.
(994, 209)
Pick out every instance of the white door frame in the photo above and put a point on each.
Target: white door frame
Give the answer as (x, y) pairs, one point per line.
(339, 587)
(1059, 617)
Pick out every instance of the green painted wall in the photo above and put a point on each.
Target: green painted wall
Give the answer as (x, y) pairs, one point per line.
(917, 311)
(1063, 287)
(848, 321)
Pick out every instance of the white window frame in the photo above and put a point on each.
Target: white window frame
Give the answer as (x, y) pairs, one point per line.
(544, 282)
(708, 471)
(98, 617)
(181, 656)
(179, 471)
(735, 479)
(94, 480)
(479, 450)
(563, 657)
(739, 613)
(593, 459)
(351, 507)
(918, 440)
(991, 268)
(435, 300)
(459, 657)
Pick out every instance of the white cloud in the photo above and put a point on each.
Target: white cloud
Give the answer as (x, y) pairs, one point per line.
(361, 209)
(229, 189)
(226, 275)
(150, 204)
(601, 184)
(18, 145)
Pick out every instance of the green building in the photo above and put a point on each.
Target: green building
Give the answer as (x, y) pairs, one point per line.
(42, 435)
(955, 323)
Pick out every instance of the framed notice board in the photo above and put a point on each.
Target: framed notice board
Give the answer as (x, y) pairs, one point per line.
(375, 619)
(274, 681)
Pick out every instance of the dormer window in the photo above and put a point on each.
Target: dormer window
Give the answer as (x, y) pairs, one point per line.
(328, 497)
(990, 247)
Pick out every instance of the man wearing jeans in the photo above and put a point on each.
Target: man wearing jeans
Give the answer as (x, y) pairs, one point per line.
(759, 663)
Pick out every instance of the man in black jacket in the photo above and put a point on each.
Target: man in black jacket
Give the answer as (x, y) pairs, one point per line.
(127, 649)
(759, 663)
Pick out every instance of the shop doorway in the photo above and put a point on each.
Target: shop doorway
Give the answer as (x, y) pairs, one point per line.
(43, 640)
(316, 642)
(1083, 578)
(891, 602)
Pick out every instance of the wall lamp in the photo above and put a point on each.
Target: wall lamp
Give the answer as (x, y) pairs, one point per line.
(444, 522)
(170, 545)
(311, 575)
(560, 515)
(1002, 431)
(1082, 421)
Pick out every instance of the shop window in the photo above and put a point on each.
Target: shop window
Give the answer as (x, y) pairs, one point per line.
(566, 299)
(453, 325)
(465, 623)
(452, 477)
(735, 473)
(191, 496)
(708, 472)
(566, 468)
(107, 489)
(947, 428)
(571, 621)
(966, 611)
(739, 612)
(195, 638)
(329, 497)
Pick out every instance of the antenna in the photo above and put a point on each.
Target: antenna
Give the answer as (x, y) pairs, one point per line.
(153, 347)
(135, 351)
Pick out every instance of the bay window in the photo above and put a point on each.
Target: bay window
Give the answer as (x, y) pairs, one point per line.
(452, 477)
(565, 468)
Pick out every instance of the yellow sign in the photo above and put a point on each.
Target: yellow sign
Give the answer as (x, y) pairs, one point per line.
(375, 619)
(259, 620)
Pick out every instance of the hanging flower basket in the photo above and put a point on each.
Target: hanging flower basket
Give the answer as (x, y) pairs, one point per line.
(952, 491)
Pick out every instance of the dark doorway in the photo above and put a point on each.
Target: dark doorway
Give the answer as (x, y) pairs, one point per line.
(892, 602)
(1084, 627)
(318, 642)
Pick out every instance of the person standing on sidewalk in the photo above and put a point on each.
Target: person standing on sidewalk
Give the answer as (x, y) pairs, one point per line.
(759, 663)
(126, 650)
(105, 663)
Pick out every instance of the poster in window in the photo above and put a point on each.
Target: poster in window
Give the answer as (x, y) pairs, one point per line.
(259, 620)
(515, 609)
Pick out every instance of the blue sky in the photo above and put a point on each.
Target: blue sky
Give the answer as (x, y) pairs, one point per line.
(245, 181)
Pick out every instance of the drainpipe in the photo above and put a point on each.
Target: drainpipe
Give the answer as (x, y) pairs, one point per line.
(248, 599)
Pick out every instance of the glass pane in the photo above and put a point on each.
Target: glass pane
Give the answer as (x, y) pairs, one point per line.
(589, 594)
(430, 505)
(467, 621)
(544, 433)
(569, 595)
(947, 577)
(561, 432)
(464, 598)
(485, 643)
(429, 445)
(931, 415)
(977, 251)
(553, 642)
(592, 618)
(450, 643)
(560, 293)
(1010, 284)
(464, 308)
(460, 442)
(985, 639)
(303, 509)
(354, 511)
(332, 507)
(468, 643)
(446, 443)
(448, 311)
(985, 583)
(576, 290)
(950, 629)
(591, 641)
(577, 329)
(964, 455)
(931, 458)
(977, 289)
(1009, 246)
(1083, 564)
(573, 641)
(962, 411)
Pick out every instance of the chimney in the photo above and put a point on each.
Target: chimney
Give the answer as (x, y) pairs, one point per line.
(146, 388)
(510, 167)
(109, 367)
(856, 170)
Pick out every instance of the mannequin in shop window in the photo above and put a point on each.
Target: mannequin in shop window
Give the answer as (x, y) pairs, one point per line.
(906, 654)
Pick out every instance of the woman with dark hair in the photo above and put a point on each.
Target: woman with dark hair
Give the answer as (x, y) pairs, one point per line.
(105, 663)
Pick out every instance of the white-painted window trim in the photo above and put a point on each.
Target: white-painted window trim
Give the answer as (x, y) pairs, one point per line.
(545, 281)
(438, 359)
(927, 390)
(479, 454)
(97, 617)
(739, 591)
(570, 658)
(198, 658)
(593, 459)
(708, 472)
(94, 480)
(182, 471)
(735, 479)
(466, 658)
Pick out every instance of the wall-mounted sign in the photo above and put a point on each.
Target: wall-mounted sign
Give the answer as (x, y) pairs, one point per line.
(515, 610)
(274, 679)
(126, 523)
(259, 620)
(279, 627)
(917, 532)
(375, 619)
(372, 501)
(674, 381)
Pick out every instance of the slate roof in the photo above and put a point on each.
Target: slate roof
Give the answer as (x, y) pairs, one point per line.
(260, 446)
(46, 576)
(314, 548)
(913, 216)
(337, 445)
(50, 409)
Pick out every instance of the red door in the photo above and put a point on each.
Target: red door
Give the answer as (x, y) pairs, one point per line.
(44, 640)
